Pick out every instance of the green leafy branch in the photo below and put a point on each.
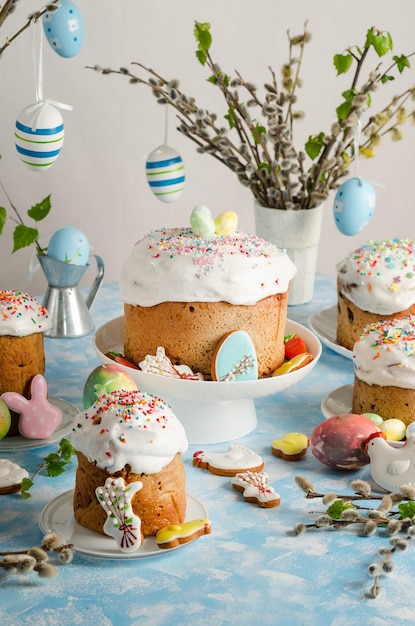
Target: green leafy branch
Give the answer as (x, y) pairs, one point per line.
(24, 235)
(54, 464)
(254, 137)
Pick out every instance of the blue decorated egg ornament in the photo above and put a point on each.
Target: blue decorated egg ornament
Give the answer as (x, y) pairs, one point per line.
(165, 173)
(354, 205)
(69, 245)
(64, 29)
(39, 134)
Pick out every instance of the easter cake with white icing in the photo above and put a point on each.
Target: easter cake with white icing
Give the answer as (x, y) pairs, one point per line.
(384, 367)
(185, 291)
(375, 282)
(134, 436)
(23, 322)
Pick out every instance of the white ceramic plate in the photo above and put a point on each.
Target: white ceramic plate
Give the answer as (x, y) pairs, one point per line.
(57, 516)
(110, 338)
(324, 325)
(22, 443)
(338, 401)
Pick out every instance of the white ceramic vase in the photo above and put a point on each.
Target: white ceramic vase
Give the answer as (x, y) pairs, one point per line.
(298, 232)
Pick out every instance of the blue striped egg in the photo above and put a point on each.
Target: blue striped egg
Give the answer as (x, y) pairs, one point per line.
(39, 135)
(64, 29)
(165, 173)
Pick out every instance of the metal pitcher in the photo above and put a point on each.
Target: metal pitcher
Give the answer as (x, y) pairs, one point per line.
(68, 309)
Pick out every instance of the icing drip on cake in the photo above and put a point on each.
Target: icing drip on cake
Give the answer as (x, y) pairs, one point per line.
(380, 276)
(384, 354)
(21, 315)
(174, 265)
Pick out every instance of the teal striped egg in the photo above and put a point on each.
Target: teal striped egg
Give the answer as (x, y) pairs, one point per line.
(165, 173)
(39, 135)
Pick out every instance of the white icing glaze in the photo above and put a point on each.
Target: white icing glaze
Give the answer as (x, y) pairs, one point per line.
(11, 473)
(384, 354)
(255, 485)
(379, 277)
(174, 265)
(237, 457)
(129, 427)
(22, 315)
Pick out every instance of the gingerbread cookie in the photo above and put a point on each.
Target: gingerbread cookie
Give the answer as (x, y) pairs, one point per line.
(255, 489)
(235, 358)
(11, 476)
(294, 364)
(174, 534)
(237, 459)
(292, 447)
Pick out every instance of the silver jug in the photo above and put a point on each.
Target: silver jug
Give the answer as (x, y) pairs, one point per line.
(67, 308)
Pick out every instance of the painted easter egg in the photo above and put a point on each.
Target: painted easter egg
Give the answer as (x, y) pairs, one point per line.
(354, 205)
(69, 245)
(165, 173)
(202, 222)
(226, 223)
(105, 379)
(64, 29)
(39, 135)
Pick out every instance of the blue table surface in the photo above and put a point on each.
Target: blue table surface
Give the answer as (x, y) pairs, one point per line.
(251, 568)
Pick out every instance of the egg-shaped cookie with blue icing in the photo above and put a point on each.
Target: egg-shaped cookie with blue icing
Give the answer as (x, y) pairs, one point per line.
(235, 358)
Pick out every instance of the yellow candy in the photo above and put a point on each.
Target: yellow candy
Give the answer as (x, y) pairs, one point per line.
(226, 223)
(393, 429)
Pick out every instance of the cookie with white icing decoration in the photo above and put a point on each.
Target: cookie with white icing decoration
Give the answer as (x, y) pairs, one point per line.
(237, 459)
(121, 523)
(235, 358)
(174, 534)
(255, 488)
(11, 476)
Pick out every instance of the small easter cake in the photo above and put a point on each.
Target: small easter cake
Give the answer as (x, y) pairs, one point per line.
(186, 288)
(22, 324)
(11, 476)
(131, 441)
(384, 368)
(375, 282)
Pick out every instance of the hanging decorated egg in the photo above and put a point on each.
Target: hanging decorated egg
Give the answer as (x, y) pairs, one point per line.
(39, 135)
(69, 245)
(64, 29)
(165, 173)
(354, 205)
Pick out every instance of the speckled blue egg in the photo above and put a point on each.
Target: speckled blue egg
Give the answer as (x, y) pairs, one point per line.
(38, 135)
(354, 205)
(165, 173)
(64, 29)
(69, 245)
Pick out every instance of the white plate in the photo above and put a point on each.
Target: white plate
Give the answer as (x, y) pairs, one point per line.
(57, 516)
(338, 401)
(324, 324)
(22, 443)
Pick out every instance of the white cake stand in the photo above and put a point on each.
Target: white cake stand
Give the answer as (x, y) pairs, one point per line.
(210, 411)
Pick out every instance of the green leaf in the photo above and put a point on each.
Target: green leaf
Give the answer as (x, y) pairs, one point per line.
(231, 118)
(27, 483)
(3, 217)
(314, 145)
(204, 40)
(401, 62)
(201, 57)
(39, 211)
(67, 450)
(55, 469)
(258, 132)
(380, 41)
(407, 509)
(342, 62)
(336, 509)
(24, 236)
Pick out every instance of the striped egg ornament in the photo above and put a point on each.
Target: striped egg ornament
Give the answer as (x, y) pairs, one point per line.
(39, 134)
(165, 173)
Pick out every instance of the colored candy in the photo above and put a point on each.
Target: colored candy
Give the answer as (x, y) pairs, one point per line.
(201, 221)
(226, 223)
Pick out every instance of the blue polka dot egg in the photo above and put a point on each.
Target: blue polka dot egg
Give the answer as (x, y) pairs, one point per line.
(64, 29)
(39, 135)
(165, 173)
(354, 205)
(69, 245)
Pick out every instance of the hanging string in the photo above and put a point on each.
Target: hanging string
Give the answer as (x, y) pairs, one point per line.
(356, 146)
(166, 123)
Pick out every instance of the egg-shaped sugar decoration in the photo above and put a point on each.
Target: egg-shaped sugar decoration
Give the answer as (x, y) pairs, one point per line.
(69, 245)
(226, 223)
(39, 134)
(64, 29)
(165, 173)
(354, 205)
(202, 222)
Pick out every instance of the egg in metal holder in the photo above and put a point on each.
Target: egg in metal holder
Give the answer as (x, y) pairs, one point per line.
(165, 173)
(64, 29)
(69, 245)
(354, 205)
(39, 134)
